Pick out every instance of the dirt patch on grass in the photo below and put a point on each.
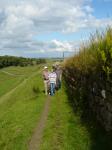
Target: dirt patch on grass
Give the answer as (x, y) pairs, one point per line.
(35, 142)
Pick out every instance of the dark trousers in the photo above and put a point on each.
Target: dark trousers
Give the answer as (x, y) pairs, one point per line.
(58, 84)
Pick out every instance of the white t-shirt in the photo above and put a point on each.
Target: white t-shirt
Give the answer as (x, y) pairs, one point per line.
(52, 77)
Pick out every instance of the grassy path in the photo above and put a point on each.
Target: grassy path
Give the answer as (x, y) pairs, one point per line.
(65, 130)
(38, 132)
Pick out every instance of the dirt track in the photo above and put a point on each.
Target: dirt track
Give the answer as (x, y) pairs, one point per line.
(38, 132)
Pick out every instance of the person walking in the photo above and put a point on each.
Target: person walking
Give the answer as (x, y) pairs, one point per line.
(58, 72)
(46, 79)
(52, 79)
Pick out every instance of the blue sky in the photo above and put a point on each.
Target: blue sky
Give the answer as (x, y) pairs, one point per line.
(102, 9)
(46, 28)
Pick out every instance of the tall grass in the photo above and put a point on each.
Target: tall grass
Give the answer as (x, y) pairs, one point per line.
(97, 52)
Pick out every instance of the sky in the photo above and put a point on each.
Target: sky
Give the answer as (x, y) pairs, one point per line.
(47, 28)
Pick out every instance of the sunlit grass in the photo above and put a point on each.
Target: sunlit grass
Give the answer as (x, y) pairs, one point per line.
(20, 111)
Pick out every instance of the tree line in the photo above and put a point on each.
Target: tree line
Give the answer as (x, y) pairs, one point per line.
(6, 61)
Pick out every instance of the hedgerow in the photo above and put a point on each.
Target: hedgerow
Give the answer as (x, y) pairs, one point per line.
(89, 76)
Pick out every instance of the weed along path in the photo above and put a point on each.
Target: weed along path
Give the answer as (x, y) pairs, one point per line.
(35, 141)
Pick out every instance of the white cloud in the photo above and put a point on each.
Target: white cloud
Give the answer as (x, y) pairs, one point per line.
(88, 9)
(21, 20)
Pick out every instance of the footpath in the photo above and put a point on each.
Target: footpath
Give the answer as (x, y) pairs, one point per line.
(60, 128)
(38, 132)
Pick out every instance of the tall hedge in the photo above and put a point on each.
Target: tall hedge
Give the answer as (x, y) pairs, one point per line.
(88, 78)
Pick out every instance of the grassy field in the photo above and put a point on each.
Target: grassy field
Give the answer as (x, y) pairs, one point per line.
(21, 102)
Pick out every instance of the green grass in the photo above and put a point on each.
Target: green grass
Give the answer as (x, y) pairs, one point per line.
(8, 82)
(65, 130)
(20, 111)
